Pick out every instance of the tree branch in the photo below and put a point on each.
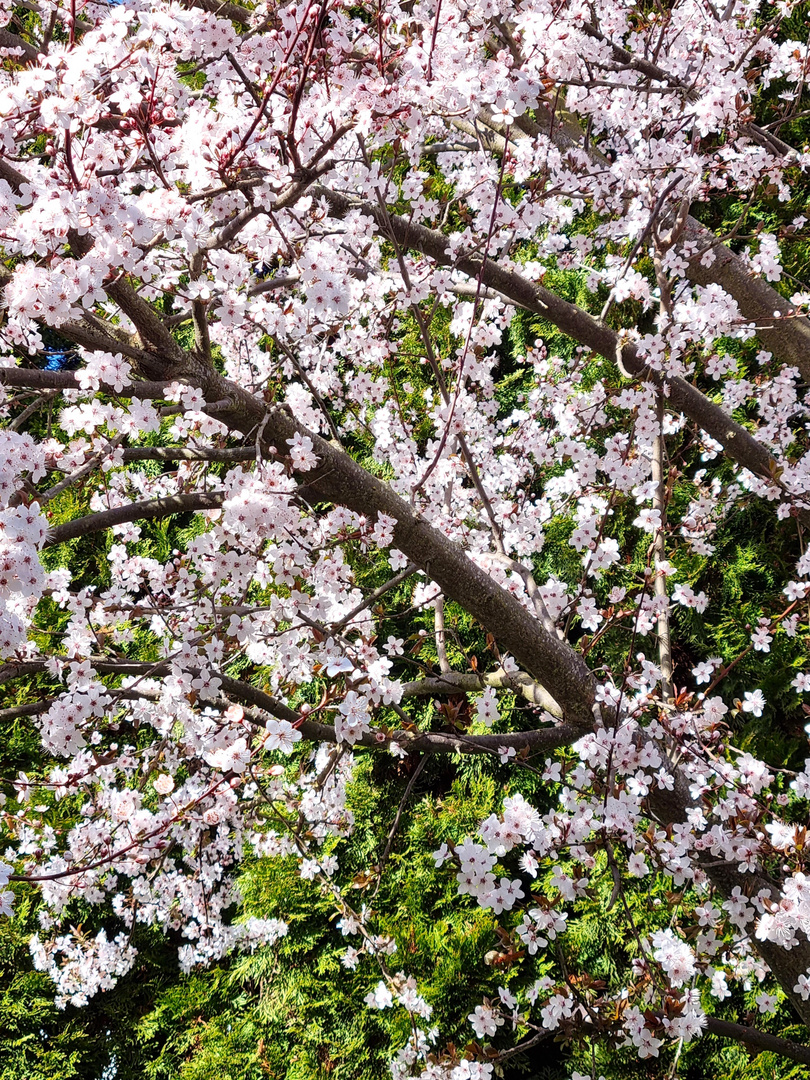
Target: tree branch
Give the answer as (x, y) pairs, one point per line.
(8, 40)
(39, 379)
(759, 1040)
(177, 453)
(787, 338)
(583, 328)
(454, 682)
(339, 479)
(392, 583)
(412, 742)
(147, 510)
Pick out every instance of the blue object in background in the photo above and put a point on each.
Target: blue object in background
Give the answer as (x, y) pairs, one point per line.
(59, 360)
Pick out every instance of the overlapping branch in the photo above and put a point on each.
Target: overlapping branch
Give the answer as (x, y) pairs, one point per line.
(146, 510)
(411, 741)
(778, 326)
(583, 328)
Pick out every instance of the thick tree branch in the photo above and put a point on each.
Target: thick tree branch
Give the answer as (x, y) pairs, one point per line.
(671, 807)
(788, 337)
(8, 40)
(39, 379)
(759, 1040)
(412, 742)
(147, 510)
(583, 328)
(177, 453)
(338, 478)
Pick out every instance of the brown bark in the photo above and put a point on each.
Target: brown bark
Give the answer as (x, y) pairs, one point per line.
(147, 510)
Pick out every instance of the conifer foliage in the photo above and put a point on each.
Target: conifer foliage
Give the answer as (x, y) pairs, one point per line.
(404, 450)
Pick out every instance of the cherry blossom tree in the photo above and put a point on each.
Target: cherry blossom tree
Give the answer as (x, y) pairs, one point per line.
(285, 248)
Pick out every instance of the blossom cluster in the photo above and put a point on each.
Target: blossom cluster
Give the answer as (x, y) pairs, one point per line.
(293, 285)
